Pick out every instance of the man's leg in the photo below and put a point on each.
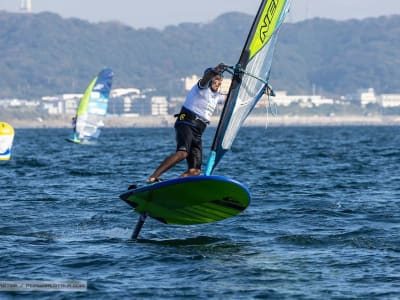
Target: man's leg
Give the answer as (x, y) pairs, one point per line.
(167, 164)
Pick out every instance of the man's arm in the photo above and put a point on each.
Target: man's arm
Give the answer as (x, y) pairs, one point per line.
(210, 73)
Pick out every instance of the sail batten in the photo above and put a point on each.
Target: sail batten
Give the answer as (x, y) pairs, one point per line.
(250, 78)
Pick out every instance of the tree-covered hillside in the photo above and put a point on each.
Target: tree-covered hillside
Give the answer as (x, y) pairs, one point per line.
(44, 54)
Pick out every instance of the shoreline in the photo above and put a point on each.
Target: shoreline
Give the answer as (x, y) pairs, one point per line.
(255, 120)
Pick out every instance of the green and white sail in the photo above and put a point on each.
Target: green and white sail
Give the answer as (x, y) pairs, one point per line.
(250, 76)
(93, 107)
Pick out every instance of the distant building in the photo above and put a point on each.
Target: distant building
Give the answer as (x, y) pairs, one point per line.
(63, 104)
(366, 96)
(226, 84)
(283, 99)
(52, 105)
(141, 105)
(132, 101)
(14, 103)
(115, 93)
(128, 101)
(190, 82)
(175, 104)
(389, 100)
(159, 106)
(26, 6)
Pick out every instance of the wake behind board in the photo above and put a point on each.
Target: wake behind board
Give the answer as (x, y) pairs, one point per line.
(83, 141)
(190, 200)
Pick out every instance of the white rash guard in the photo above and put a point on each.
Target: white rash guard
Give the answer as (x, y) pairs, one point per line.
(202, 101)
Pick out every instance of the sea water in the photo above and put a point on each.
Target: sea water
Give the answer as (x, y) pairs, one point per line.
(323, 223)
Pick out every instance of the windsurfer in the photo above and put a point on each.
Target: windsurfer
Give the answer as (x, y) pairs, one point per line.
(74, 122)
(191, 122)
(74, 125)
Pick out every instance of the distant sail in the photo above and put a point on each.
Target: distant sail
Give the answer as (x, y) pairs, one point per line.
(6, 140)
(250, 76)
(93, 107)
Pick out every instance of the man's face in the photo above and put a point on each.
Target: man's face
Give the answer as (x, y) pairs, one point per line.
(216, 83)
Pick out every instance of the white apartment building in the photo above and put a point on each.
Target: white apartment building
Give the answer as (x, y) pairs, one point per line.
(389, 100)
(283, 99)
(366, 96)
(159, 106)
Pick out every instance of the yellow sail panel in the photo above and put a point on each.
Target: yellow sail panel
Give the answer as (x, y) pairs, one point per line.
(266, 25)
(83, 104)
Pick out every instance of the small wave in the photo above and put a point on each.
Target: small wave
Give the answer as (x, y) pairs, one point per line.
(88, 173)
(193, 241)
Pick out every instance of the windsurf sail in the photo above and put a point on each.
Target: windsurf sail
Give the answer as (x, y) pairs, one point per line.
(93, 107)
(6, 140)
(250, 76)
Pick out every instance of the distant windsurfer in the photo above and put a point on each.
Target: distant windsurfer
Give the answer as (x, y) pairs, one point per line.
(74, 125)
(195, 115)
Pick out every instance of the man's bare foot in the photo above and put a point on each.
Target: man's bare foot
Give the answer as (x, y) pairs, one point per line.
(153, 180)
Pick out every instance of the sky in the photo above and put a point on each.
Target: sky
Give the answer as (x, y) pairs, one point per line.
(161, 13)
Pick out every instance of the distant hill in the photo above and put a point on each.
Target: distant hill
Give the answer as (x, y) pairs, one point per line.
(44, 54)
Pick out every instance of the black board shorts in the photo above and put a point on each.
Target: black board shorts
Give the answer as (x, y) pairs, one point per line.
(188, 138)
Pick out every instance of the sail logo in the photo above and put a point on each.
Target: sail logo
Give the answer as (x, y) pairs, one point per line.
(268, 20)
(99, 87)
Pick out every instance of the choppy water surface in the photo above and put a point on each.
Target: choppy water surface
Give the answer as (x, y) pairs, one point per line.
(324, 220)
